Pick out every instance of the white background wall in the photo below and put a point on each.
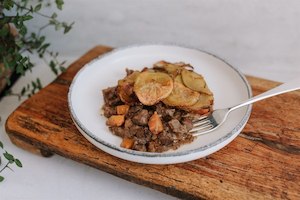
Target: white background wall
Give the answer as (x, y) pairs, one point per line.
(260, 37)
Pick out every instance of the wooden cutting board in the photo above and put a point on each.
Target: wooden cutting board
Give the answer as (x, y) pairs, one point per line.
(263, 162)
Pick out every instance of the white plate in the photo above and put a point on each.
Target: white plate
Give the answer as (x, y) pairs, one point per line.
(85, 99)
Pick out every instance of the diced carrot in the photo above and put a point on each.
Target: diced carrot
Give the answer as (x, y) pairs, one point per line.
(127, 143)
(155, 124)
(202, 111)
(115, 120)
(122, 109)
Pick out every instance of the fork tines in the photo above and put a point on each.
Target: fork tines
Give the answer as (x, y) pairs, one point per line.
(203, 124)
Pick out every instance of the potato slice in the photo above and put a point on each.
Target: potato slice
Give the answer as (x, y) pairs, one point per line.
(160, 64)
(151, 87)
(181, 96)
(170, 68)
(125, 88)
(194, 81)
(206, 90)
(178, 79)
(202, 106)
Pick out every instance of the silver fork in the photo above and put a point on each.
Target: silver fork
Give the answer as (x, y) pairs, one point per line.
(211, 122)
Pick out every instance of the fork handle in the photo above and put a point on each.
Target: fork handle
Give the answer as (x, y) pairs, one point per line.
(283, 88)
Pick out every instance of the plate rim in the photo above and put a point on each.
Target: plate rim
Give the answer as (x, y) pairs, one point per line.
(76, 120)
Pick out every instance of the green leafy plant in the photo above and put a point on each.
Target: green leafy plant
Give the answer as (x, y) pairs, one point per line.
(19, 44)
(10, 160)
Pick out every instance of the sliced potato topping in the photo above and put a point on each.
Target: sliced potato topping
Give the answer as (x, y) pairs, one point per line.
(125, 88)
(178, 79)
(175, 84)
(194, 81)
(206, 90)
(171, 68)
(181, 96)
(202, 106)
(151, 87)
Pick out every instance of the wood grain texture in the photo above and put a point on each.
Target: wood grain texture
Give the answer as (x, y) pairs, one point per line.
(263, 162)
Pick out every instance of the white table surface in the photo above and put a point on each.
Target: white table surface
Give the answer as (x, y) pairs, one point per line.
(259, 38)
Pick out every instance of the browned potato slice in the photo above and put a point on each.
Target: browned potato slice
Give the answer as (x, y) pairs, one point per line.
(170, 68)
(160, 64)
(151, 87)
(181, 96)
(178, 79)
(194, 81)
(206, 90)
(125, 88)
(202, 106)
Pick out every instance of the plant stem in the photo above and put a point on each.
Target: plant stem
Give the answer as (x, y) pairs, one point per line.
(4, 167)
(30, 10)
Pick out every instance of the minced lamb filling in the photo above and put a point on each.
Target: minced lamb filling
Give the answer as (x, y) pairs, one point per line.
(176, 124)
(156, 126)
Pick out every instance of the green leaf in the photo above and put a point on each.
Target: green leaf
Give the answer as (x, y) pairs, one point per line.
(8, 81)
(57, 26)
(2, 48)
(52, 22)
(29, 65)
(23, 91)
(26, 17)
(59, 4)
(1, 144)
(43, 48)
(53, 67)
(42, 39)
(33, 85)
(18, 163)
(63, 62)
(7, 4)
(54, 15)
(33, 35)
(20, 69)
(19, 43)
(24, 59)
(23, 30)
(31, 9)
(37, 7)
(6, 63)
(1, 178)
(38, 83)
(8, 156)
(24, 3)
(7, 92)
(62, 68)
(4, 31)
(67, 27)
